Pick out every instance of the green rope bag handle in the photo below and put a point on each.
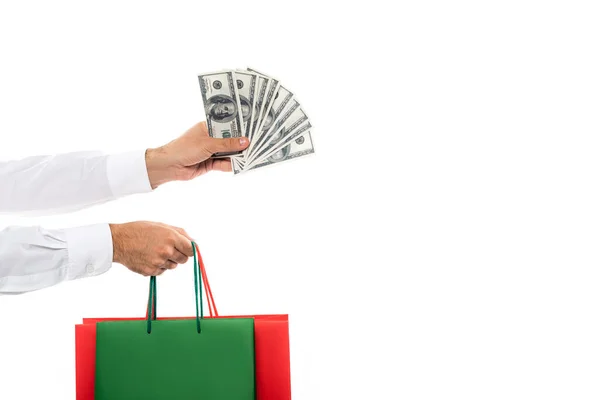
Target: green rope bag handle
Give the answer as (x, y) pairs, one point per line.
(152, 297)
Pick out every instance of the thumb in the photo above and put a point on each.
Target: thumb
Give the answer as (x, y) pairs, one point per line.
(214, 145)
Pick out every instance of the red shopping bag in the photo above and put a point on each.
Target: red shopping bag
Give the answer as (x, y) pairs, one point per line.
(271, 341)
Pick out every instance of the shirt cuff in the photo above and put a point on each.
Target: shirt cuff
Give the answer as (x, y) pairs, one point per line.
(90, 250)
(127, 173)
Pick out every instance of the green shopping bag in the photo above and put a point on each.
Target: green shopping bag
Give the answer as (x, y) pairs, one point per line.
(198, 358)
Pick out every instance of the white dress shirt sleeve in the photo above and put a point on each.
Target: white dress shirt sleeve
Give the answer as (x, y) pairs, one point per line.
(69, 182)
(32, 258)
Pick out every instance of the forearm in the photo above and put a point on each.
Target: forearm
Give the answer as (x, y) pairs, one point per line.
(33, 258)
(71, 181)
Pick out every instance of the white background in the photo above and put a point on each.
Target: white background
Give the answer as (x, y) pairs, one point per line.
(442, 243)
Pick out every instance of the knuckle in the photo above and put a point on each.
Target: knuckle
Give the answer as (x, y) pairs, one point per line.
(208, 145)
(160, 251)
(183, 232)
(224, 145)
(165, 251)
(205, 151)
(233, 143)
(158, 262)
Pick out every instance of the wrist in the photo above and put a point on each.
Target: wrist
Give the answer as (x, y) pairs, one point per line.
(159, 169)
(117, 240)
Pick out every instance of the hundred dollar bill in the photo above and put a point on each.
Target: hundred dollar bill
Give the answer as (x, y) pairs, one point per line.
(293, 116)
(222, 106)
(261, 88)
(246, 87)
(266, 115)
(300, 146)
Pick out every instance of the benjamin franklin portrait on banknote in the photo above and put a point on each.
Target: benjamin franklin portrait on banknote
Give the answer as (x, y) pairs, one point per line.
(221, 108)
(268, 121)
(280, 154)
(246, 109)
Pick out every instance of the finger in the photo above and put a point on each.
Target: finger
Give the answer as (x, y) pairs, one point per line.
(178, 258)
(222, 164)
(183, 232)
(183, 244)
(150, 271)
(214, 145)
(170, 264)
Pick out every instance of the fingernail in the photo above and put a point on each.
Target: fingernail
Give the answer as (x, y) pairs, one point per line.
(243, 141)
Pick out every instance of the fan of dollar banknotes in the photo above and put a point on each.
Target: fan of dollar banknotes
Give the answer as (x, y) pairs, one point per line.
(251, 104)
